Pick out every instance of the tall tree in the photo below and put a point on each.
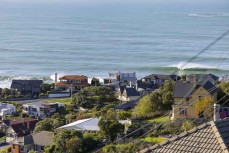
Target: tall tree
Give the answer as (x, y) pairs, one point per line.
(110, 128)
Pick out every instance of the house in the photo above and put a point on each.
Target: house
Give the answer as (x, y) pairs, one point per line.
(203, 77)
(7, 109)
(74, 82)
(20, 128)
(209, 137)
(128, 94)
(186, 94)
(159, 79)
(35, 142)
(27, 87)
(121, 79)
(84, 125)
(40, 109)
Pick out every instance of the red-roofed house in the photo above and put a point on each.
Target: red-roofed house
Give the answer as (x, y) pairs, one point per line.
(20, 128)
(77, 82)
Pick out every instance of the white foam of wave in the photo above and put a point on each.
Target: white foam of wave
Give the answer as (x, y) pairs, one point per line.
(207, 14)
(184, 65)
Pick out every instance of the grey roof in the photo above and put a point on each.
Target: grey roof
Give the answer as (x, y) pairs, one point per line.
(185, 89)
(131, 92)
(127, 105)
(209, 137)
(43, 138)
(128, 78)
(25, 83)
(162, 77)
(202, 77)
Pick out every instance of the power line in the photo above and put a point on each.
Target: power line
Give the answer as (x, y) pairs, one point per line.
(190, 60)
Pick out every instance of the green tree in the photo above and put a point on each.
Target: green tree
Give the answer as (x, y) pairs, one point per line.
(205, 107)
(45, 87)
(5, 92)
(224, 86)
(66, 141)
(149, 103)
(110, 128)
(49, 124)
(95, 82)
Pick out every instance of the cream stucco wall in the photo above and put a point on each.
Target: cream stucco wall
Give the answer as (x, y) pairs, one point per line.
(189, 104)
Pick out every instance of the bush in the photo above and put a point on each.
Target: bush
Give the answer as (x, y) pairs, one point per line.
(24, 115)
(148, 116)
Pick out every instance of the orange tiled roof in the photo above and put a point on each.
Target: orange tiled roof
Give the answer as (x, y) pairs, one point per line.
(73, 77)
(64, 84)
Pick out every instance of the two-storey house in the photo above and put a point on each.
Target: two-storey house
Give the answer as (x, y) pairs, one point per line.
(35, 142)
(128, 94)
(74, 82)
(186, 95)
(121, 79)
(40, 109)
(27, 87)
(20, 128)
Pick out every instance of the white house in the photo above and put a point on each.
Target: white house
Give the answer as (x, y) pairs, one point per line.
(41, 109)
(7, 109)
(124, 78)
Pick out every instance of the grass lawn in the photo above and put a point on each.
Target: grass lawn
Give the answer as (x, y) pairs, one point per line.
(66, 101)
(154, 139)
(159, 120)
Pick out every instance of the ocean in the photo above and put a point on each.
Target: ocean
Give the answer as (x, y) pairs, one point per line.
(38, 40)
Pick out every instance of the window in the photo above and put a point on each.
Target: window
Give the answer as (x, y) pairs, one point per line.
(183, 111)
(200, 97)
(187, 99)
(34, 109)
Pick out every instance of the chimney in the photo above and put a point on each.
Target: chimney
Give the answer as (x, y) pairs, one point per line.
(216, 116)
(55, 78)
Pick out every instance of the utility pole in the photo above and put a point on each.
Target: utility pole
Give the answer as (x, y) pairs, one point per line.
(71, 91)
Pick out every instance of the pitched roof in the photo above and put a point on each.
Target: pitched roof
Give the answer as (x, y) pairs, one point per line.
(131, 92)
(90, 124)
(161, 77)
(202, 77)
(64, 84)
(42, 138)
(127, 105)
(185, 89)
(24, 126)
(209, 137)
(73, 77)
(22, 83)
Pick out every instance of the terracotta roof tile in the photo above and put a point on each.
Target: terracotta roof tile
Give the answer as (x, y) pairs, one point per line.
(73, 77)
